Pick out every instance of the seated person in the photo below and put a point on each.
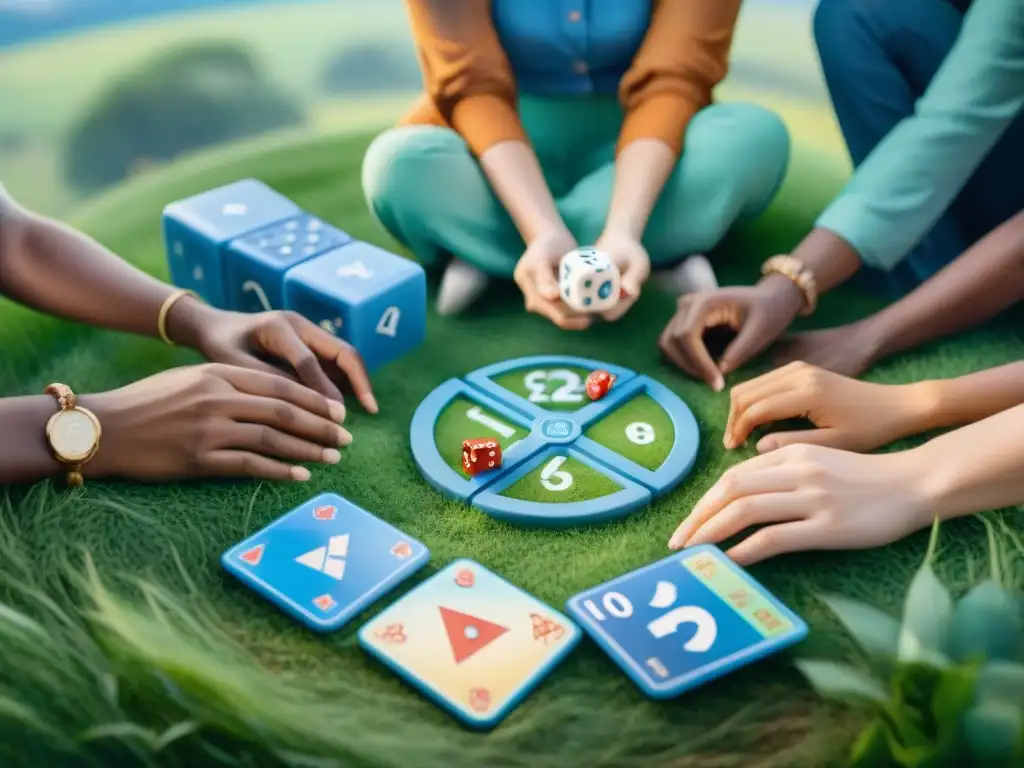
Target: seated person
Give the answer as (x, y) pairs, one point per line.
(809, 489)
(929, 99)
(240, 416)
(543, 128)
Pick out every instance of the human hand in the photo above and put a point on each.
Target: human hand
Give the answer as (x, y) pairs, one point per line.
(810, 498)
(630, 256)
(848, 350)
(319, 359)
(214, 421)
(536, 275)
(759, 314)
(848, 414)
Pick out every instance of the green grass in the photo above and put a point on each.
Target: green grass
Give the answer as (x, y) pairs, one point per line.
(145, 653)
(639, 429)
(572, 481)
(457, 423)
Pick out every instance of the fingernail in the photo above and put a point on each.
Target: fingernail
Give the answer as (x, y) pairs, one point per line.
(300, 474)
(675, 542)
(331, 456)
(718, 384)
(344, 437)
(765, 444)
(371, 403)
(337, 410)
(728, 442)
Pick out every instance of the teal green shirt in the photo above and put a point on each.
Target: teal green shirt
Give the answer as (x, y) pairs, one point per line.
(914, 174)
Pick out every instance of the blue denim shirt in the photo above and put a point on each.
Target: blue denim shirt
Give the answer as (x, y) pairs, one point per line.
(570, 47)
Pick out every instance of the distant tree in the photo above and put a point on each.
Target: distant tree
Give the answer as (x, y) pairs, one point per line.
(371, 68)
(179, 100)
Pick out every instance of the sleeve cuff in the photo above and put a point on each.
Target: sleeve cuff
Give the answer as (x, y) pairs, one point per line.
(484, 120)
(664, 117)
(868, 232)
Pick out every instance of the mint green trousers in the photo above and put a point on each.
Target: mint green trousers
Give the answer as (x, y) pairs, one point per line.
(427, 190)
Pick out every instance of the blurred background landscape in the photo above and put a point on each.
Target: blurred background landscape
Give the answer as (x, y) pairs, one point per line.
(93, 92)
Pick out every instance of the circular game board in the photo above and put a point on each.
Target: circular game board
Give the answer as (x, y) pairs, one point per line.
(567, 460)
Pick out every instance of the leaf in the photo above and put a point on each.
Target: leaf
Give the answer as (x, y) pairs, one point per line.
(954, 695)
(122, 731)
(175, 732)
(876, 632)
(993, 731)
(1002, 681)
(927, 613)
(871, 749)
(986, 624)
(844, 683)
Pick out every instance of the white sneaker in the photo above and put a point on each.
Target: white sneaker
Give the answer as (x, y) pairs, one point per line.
(694, 275)
(461, 285)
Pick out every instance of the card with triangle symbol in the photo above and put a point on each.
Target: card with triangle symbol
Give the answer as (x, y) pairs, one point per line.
(471, 641)
(325, 561)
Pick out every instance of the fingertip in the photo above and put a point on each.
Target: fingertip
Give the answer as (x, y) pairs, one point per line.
(370, 403)
(718, 383)
(300, 474)
(766, 444)
(337, 410)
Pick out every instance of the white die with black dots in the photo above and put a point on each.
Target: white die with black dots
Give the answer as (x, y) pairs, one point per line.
(588, 280)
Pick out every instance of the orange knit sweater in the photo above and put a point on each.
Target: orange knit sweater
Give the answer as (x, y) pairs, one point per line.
(471, 89)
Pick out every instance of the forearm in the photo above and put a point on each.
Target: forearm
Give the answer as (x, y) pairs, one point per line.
(975, 468)
(515, 176)
(25, 456)
(57, 270)
(641, 170)
(943, 403)
(987, 279)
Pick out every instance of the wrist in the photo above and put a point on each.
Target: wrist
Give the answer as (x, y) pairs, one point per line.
(919, 407)
(187, 320)
(784, 293)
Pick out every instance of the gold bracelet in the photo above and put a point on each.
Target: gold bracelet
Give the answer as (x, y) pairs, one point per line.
(794, 269)
(161, 319)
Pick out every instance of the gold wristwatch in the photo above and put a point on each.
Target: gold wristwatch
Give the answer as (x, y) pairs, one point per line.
(73, 432)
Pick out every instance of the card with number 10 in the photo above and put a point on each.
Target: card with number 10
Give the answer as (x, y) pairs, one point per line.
(685, 620)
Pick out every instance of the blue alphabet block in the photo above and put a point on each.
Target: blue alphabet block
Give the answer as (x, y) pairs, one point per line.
(373, 299)
(255, 264)
(197, 228)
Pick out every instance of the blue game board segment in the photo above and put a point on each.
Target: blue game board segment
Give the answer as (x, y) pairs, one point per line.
(617, 395)
(618, 504)
(470, 641)
(685, 620)
(429, 460)
(483, 378)
(680, 460)
(325, 561)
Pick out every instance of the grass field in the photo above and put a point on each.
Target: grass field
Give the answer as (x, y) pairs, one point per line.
(125, 644)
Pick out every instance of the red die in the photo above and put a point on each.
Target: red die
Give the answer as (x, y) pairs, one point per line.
(598, 384)
(480, 454)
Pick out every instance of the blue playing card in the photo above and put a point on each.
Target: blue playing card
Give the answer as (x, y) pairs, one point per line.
(325, 561)
(471, 641)
(685, 620)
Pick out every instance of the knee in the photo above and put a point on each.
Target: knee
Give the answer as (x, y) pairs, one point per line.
(756, 135)
(402, 164)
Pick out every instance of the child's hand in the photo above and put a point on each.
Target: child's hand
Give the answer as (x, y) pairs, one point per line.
(537, 277)
(629, 255)
(811, 498)
(849, 414)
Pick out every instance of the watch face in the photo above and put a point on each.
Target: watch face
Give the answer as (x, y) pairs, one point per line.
(73, 434)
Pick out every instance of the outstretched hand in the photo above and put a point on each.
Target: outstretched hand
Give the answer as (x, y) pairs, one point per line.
(846, 413)
(809, 498)
(303, 351)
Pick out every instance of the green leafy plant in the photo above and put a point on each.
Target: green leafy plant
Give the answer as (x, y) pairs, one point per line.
(946, 683)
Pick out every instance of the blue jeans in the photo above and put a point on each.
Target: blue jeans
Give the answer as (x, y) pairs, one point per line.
(878, 57)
